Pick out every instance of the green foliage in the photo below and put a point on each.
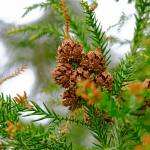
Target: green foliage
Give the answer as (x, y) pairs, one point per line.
(80, 32)
(117, 120)
(143, 71)
(109, 105)
(126, 126)
(142, 17)
(95, 31)
(33, 137)
(124, 73)
(9, 110)
(49, 114)
(37, 31)
(39, 5)
(42, 29)
(100, 128)
(54, 3)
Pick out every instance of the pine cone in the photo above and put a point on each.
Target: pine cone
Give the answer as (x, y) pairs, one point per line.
(82, 73)
(73, 79)
(94, 62)
(104, 80)
(70, 98)
(70, 52)
(62, 75)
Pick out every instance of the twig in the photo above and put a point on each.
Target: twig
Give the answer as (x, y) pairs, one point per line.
(17, 72)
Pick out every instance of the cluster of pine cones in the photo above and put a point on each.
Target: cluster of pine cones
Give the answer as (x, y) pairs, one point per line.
(74, 64)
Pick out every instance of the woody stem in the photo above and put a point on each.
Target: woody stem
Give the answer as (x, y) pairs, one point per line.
(66, 16)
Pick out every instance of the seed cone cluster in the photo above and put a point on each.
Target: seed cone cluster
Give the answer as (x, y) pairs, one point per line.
(74, 65)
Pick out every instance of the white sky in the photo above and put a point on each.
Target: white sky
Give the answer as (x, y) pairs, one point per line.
(12, 10)
(108, 13)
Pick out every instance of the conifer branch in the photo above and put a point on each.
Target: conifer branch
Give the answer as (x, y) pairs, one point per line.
(123, 74)
(32, 137)
(34, 6)
(9, 109)
(49, 114)
(39, 30)
(95, 30)
(142, 17)
(79, 31)
(99, 127)
(126, 68)
(16, 73)
(67, 20)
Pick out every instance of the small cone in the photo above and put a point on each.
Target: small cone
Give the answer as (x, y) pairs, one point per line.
(104, 80)
(94, 62)
(70, 98)
(82, 73)
(69, 52)
(62, 74)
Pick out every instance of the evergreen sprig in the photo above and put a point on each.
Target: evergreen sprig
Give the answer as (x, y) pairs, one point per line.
(37, 31)
(95, 29)
(49, 114)
(33, 137)
(99, 127)
(9, 112)
(9, 109)
(126, 68)
(142, 17)
(80, 32)
(124, 73)
(42, 30)
(34, 6)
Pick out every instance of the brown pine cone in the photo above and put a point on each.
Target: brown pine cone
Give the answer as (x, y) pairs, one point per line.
(104, 80)
(73, 79)
(70, 99)
(62, 74)
(94, 62)
(70, 52)
(82, 73)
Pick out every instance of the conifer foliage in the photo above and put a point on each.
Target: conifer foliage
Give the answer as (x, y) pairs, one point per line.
(113, 105)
